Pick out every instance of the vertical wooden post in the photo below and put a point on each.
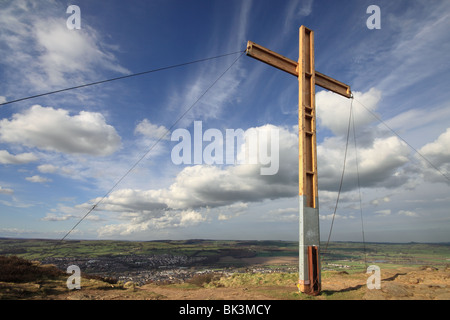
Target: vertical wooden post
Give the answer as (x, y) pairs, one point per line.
(307, 162)
(308, 77)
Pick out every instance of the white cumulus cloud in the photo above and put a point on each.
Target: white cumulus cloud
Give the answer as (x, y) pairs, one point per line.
(150, 130)
(333, 110)
(6, 190)
(52, 129)
(438, 152)
(22, 158)
(38, 179)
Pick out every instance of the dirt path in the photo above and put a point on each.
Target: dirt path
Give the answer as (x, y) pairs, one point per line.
(170, 292)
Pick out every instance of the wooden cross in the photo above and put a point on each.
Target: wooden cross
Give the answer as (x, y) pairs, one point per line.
(308, 77)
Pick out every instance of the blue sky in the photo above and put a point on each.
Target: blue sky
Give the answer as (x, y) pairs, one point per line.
(61, 153)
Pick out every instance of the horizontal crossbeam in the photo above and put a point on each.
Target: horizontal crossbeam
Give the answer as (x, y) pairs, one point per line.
(290, 66)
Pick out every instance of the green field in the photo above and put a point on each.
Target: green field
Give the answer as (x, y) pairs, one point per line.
(388, 254)
(346, 255)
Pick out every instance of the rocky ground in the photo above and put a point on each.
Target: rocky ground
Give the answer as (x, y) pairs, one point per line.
(424, 283)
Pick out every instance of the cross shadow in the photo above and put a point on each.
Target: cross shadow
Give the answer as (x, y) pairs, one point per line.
(359, 286)
(393, 277)
(331, 292)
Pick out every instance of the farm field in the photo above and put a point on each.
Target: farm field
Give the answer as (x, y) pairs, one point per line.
(233, 253)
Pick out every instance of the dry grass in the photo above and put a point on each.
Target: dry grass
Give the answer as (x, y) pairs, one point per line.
(15, 269)
(203, 279)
